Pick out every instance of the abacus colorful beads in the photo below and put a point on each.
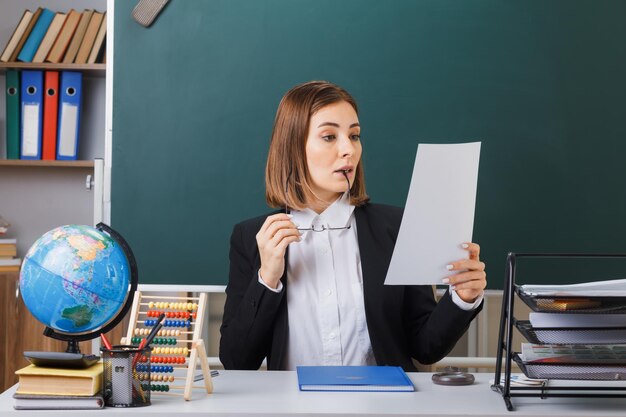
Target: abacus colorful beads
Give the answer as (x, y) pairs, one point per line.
(160, 387)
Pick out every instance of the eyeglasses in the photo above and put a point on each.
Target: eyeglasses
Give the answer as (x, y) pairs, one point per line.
(313, 228)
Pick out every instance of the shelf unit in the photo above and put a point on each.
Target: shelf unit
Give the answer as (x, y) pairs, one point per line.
(29, 187)
(502, 383)
(36, 196)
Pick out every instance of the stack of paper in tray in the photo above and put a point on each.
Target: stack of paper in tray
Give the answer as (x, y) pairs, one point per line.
(577, 331)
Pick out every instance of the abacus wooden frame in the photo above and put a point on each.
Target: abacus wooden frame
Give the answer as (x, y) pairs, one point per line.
(197, 351)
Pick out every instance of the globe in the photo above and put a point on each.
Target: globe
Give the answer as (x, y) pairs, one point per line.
(78, 281)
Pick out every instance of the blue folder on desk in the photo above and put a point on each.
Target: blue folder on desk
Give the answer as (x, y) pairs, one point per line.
(353, 378)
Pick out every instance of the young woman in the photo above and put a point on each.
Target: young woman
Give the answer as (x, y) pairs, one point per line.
(306, 283)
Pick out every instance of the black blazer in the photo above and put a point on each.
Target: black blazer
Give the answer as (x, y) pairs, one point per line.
(403, 322)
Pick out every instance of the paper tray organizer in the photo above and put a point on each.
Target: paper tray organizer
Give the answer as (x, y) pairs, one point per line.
(553, 304)
(571, 335)
(572, 304)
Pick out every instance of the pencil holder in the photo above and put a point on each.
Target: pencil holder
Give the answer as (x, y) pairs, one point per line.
(126, 377)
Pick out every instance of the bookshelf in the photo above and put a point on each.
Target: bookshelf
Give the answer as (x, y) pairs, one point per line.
(58, 184)
(37, 196)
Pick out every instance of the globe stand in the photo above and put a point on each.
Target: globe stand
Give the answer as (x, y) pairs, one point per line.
(72, 346)
(72, 343)
(72, 358)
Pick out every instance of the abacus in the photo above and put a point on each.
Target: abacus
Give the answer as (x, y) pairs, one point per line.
(177, 346)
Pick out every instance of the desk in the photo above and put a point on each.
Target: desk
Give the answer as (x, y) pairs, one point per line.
(262, 393)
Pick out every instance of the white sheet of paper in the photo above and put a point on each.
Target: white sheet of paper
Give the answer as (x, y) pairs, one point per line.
(439, 214)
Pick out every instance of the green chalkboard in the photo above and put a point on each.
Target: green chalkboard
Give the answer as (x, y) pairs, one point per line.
(541, 83)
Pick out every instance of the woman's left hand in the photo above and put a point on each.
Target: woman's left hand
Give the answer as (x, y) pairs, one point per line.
(472, 280)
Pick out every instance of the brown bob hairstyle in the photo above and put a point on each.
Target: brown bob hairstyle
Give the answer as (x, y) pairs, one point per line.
(287, 178)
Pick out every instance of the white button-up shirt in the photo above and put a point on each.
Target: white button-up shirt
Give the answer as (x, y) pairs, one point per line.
(325, 304)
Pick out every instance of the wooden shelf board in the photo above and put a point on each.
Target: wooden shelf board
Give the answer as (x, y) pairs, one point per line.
(64, 164)
(94, 69)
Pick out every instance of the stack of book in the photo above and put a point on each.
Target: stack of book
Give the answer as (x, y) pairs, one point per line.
(8, 253)
(43, 388)
(57, 37)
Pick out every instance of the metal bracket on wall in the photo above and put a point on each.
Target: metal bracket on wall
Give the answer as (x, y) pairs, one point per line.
(89, 182)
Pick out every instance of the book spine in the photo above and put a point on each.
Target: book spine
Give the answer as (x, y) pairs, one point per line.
(36, 36)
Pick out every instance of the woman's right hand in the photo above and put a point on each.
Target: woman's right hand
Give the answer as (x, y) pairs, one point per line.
(277, 232)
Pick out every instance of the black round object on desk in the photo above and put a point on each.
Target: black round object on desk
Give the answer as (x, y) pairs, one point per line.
(453, 378)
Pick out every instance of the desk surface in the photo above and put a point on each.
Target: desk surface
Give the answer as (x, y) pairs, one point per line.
(261, 393)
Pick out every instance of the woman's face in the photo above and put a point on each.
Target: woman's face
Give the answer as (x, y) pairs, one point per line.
(333, 145)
